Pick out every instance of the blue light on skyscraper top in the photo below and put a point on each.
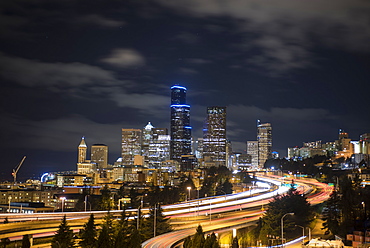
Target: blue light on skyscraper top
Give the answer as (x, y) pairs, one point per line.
(178, 87)
(180, 106)
(187, 127)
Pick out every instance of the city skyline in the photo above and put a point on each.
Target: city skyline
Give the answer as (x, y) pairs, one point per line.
(68, 71)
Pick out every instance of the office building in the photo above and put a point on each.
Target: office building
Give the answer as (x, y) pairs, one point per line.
(159, 150)
(147, 138)
(214, 135)
(264, 138)
(99, 155)
(131, 145)
(252, 150)
(82, 151)
(180, 131)
(365, 143)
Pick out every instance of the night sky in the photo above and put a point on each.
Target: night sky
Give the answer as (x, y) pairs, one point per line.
(76, 68)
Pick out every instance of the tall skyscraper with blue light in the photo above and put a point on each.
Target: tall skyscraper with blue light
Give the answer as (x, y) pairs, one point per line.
(180, 130)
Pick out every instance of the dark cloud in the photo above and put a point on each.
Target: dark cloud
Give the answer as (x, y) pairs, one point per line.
(76, 68)
(124, 58)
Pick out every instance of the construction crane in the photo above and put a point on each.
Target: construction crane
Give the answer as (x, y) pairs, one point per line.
(16, 169)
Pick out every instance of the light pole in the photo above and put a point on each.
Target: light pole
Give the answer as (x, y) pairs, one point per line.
(155, 219)
(63, 199)
(302, 232)
(198, 200)
(189, 188)
(9, 199)
(224, 193)
(86, 202)
(364, 207)
(309, 234)
(138, 218)
(282, 228)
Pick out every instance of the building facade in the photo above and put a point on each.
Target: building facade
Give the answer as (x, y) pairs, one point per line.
(214, 135)
(264, 138)
(82, 151)
(180, 131)
(99, 155)
(252, 150)
(131, 145)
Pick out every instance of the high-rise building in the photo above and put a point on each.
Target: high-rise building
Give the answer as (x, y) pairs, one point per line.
(99, 155)
(252, 150)
(365, 143)
(159, 150)
(214, 135)
(82, 151)
(180, 130)
(146, 139)
(131, 145)
(264, 138)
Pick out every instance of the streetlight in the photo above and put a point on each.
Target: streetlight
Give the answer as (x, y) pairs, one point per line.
(9, 199)
(302, 232)
(155, 218)
(224, 193)
(364, 207)
(86, 202)
(309, 234)
(189, 188)
(63, 199)
(282, 228)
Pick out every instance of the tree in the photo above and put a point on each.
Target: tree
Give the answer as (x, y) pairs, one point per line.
(211, 241)
(331, 214)
(235, 243)
(122, 231)
(198, 239)
(291, 202)
(64, 236)
(106, 202)
(88, 233)
(26, 241)
(161, 223)
(135, 239)
(106, 234)
(5, 242)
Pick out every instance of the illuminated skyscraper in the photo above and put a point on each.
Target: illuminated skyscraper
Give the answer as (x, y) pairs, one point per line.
(147, 138)
(99, 155)
(252, 150)
(131, 145)
(82, 151)
(180, 130)
(264, 138)
(214, 135)
(365, 143)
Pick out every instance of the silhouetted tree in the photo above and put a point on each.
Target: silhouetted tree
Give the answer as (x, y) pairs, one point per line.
(106, 234)
(88, 233)
(64, 236)
(26, 241)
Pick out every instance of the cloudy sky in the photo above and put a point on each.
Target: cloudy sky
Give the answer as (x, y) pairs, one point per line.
(89, 68)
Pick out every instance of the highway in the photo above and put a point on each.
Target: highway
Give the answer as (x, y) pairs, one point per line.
(213, 213)
(248, 212)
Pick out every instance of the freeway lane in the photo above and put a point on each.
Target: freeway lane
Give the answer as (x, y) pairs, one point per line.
(319, 194)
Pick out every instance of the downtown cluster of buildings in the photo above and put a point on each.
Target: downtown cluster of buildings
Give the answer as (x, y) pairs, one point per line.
(154, 153)
(355, 151)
